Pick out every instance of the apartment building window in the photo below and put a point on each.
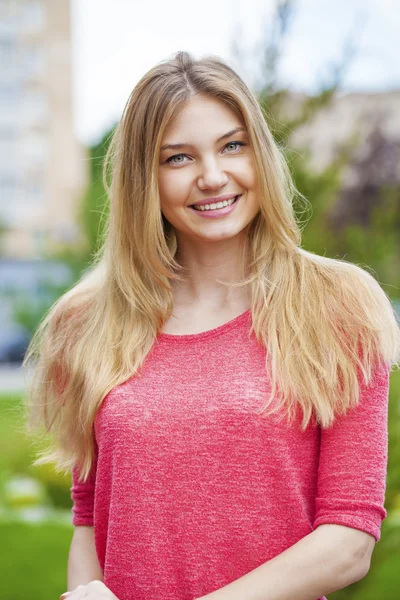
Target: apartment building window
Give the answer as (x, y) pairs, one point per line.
(34, 13)
(20, 200)
(34, 192)
(35, 106)
(16, 190)
(10, 188)
(9, 94)
(10, 11)
(8, 146)
(10, 198)
(8, 53)
(35, 148)
(33, 59)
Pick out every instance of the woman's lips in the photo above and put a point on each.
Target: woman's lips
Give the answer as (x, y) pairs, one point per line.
(217, 212)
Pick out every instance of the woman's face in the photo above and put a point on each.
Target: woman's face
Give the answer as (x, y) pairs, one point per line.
(209, 159)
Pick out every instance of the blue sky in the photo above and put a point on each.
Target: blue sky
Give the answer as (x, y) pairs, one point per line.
(114, 42)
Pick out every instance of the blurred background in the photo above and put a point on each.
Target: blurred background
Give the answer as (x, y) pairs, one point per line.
(327, 74)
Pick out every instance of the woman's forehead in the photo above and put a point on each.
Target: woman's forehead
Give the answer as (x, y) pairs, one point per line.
(202, 110)
(192, 126)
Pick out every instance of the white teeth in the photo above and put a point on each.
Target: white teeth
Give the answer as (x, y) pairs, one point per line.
(215, 206)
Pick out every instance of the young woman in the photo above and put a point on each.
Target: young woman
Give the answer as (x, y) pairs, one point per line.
(219, 394)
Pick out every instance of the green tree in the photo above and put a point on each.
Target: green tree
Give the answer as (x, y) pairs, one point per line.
(93, 211)
(95, 207)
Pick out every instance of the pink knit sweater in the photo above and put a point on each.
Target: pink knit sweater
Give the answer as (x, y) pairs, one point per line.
(191, 489)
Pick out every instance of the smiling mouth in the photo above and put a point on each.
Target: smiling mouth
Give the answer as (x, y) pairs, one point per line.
(198, 209)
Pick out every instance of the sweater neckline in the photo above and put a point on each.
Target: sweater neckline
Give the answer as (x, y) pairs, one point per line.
(209, 333)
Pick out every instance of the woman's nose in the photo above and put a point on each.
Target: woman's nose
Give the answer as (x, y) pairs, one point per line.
(212, 176)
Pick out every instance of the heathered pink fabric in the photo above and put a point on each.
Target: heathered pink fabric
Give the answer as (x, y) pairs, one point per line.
(191, 490)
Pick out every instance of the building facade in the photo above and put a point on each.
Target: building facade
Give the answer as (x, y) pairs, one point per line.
(43, 169)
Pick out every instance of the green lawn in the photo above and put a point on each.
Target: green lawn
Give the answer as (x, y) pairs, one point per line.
(33, 560)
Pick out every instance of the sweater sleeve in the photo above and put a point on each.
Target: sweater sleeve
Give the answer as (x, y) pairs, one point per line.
(353, 461)
(82, 495)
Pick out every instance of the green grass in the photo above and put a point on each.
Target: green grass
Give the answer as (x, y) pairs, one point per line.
(33, 560)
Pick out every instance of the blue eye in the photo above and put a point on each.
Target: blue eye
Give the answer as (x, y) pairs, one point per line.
(235, 144)
(171, 160)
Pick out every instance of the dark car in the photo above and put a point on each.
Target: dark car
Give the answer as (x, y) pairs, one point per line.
(13, 344)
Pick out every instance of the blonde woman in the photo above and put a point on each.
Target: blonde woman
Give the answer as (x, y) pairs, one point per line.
(219, 394)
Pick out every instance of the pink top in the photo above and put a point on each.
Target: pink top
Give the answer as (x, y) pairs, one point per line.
(192, 490)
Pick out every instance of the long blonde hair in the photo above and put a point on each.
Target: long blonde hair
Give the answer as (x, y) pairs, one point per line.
(320, 319)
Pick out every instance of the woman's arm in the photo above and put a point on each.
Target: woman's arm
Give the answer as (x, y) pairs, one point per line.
(328, 559)
(83, 564)
(349, 509)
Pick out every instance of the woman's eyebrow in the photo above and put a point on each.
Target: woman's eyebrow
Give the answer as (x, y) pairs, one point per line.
(192, 146)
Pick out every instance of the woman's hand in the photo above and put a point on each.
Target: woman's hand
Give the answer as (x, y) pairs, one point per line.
(95, 590)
